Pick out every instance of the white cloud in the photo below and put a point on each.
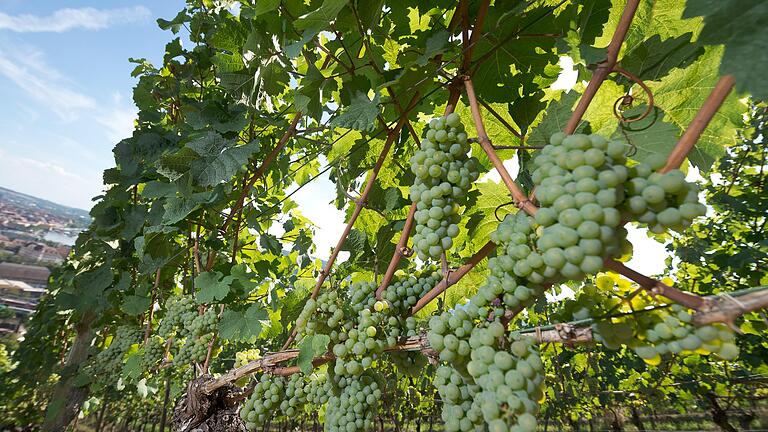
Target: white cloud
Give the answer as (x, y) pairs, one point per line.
(67, 19)
(118, 119)
(41, 82)
(48, 180)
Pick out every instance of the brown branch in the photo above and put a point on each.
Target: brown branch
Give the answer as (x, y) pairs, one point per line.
(148, 330)
(399, 249)
(605, 67)
(725, 308)
(402, 244)
(477, 30)
(454, 277)
(653, 286)
(359, 204)
(520, 198)
(262, 168)
(699, 123)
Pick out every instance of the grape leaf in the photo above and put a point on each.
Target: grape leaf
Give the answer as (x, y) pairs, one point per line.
(360, 115)
(212, 286)
(650, 136)
(236, 325)
(742, 25)
(322, 16)
(135, 305)
(309, 348)
(682, 93)
(555, 119)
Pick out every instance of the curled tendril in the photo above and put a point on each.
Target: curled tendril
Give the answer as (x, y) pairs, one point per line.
(499, 207)
(626, 101)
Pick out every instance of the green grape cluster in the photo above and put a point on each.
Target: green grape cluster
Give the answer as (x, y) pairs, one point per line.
(109, 362)
(204, 323)
(242, 358)
(494, 378)
(281, 397)
(179, 310)
(266, 398)
(361, 296)
(322, 315)
(409, 363)
(449, 334)
(154, 352)
(444, 174)
(404, 294)
(356, 348)
(457, 394)
(511, 382)
(194, 349)
(317, 391)
(661, 201)
(354, 408)
(673, 332)
(580, 182)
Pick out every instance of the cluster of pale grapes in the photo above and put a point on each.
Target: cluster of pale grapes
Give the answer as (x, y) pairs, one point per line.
(109, 362)
(242, 358)
(674, 333)
(194, 349)
(355, 407)
(493, 378)
(444, 174)
(154, 352)
(404, 294)
(203, 323)
(457, 394)
(180, 311)
(504, 289)
(267, 395)
(580, 182)
(321, 315)
(661, 201)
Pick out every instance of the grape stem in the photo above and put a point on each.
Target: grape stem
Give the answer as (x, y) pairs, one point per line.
(521, 199)
(699, 123)
(654, 286)
(359, 204)
(453, 98)
(603, 68)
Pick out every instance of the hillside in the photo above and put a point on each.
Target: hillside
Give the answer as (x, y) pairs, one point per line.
(29, 204)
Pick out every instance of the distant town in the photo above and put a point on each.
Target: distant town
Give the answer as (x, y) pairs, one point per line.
(35, 236)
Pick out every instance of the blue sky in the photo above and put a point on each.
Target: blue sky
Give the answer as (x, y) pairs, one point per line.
(65, 89)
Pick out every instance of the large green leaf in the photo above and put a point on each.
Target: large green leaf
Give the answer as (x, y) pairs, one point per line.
(242, 326)
(212, 286)
(650, 136)
(309, 348)
(222, 167)
(360, 115)
(742, 25)
(682, 93)
(321, 17)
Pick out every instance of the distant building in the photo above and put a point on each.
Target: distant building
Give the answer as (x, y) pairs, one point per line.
(35, 276)
(40, 253)
(20, 292)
